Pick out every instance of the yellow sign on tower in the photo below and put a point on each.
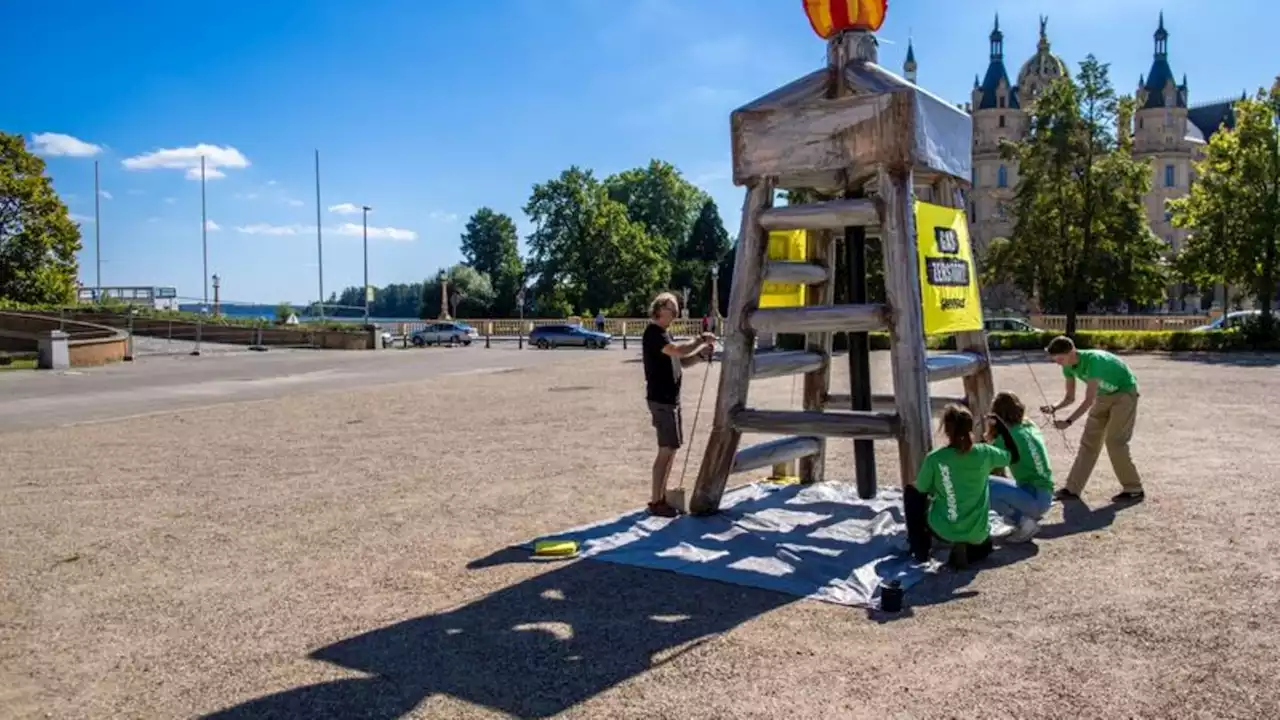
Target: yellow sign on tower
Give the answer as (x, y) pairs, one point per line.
(948, 282)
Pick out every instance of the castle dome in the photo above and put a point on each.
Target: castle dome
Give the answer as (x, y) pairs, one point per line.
(1042, 68)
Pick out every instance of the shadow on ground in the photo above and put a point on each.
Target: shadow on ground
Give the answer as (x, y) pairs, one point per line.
(948, 585)
(531, 650)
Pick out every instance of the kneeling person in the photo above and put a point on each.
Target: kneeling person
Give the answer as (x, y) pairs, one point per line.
(1024, 500)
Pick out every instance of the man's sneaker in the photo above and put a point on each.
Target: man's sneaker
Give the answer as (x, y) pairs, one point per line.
(662, 509)
(1129, 496)
(1063, 495)
(1027, 529)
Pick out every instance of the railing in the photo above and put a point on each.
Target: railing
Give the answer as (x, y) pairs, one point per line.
(1121, 323)
(510, 327)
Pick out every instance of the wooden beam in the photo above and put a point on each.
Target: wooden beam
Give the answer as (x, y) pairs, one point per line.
(786, 362)
(822, 424)
(906, 333)
(831, 215)
(833, 318)
(949, 366)
(775, 452)
(882, 401)
(795, 273)
(821, 250)
(739, 344)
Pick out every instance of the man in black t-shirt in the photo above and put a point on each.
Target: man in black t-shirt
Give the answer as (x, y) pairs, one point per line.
(664, 361)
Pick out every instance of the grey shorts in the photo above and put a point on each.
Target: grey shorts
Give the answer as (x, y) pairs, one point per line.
(668, 423)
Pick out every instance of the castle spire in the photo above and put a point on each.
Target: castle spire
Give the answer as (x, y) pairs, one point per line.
(1162, 39)
(909, 67)
(997, 41)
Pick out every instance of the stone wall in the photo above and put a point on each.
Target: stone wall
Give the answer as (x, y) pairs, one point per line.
(88, 343)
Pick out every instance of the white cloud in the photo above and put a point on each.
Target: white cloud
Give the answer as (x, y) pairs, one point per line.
(384, 233)
(269, 229)
(59, 145)
(345, 209)
(188, 159)
(442, 216)
(105, 195)
(272, 182)
(135, 191)
(170, 201)
(212, 226)
(80, 218)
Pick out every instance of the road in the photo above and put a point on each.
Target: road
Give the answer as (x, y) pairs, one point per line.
(160, 383)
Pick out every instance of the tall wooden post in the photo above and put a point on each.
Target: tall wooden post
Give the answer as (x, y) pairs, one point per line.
(739, 343)
(906, 336)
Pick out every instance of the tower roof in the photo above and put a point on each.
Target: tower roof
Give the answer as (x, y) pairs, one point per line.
(1044, 65)
(995, 73)
(1161, 75)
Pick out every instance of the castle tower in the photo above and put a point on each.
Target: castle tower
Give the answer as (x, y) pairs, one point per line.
(997, 114)
(909, 67)
(1162, 136)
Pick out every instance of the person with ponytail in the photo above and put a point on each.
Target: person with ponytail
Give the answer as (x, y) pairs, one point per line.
(955, 477)
(1023, 501)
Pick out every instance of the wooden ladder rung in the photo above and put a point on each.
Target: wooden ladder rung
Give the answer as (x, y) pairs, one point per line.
(833, 215)
(881, 401)
(775, 452)
(786, 362)
(795, 273)
(819, 318)
(823, 424)
(948, 366)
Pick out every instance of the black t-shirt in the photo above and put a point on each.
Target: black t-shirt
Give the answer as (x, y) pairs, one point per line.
(662, 373)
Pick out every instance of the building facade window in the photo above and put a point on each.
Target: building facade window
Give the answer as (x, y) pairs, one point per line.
(1170, 176)
(1002, 177)
(1001, 121)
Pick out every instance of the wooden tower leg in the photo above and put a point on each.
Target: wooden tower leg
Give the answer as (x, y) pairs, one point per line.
(906, 339)
(817, 384)
(739, 341)
(979, 387)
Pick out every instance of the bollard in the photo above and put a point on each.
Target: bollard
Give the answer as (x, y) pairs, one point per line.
(624, 334)
(199, 336)
(488, 330)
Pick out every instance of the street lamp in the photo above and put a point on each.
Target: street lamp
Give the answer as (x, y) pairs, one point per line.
(715, 298)
(216, 308)
(364, 220)
(444, 296)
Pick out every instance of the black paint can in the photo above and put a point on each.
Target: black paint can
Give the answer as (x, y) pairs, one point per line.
(891, 596)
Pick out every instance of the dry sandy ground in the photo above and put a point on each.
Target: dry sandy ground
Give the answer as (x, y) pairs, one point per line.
(193, 563)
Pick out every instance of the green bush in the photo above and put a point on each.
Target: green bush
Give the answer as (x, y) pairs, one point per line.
(1116, 341)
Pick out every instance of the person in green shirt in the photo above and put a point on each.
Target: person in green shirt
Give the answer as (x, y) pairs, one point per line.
(955, 478)
(1111, 400)
(1025, 499)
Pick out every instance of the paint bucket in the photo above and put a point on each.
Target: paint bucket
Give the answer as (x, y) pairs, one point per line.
(891, 596)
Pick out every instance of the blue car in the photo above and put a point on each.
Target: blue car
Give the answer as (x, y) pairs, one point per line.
(550, 336)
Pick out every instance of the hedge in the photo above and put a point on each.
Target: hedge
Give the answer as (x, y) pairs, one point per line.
(1114, 340)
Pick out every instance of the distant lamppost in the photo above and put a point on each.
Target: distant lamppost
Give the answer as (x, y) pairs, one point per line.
(444, 296)
(216, 304)
(364, 211)
(520, 305)
(684, 302)
(715, 297)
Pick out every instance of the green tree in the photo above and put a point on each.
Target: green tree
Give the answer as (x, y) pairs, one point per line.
(38, 240)
(1233, 210)
(1080, 232)
(470, 293)
(586, 253)
(659, 198)
(397, 300)
(491, 246)
(707, 245)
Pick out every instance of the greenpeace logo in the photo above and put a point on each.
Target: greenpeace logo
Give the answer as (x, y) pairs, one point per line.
(949, 491)
(952, 303)
(1037, 459)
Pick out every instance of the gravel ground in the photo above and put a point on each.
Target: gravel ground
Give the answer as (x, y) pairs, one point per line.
(341, 555)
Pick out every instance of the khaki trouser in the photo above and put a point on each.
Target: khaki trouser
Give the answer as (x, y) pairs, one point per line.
(1110, 423)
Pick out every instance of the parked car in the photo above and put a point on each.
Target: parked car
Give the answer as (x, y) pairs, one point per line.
(452, 332)
(1008, 324)
(1229, 320)
(550, 336)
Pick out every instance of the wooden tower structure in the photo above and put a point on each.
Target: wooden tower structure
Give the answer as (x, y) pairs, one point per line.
(875, 142)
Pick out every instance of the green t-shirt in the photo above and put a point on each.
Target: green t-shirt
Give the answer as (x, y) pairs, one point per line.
(1033, 468)
(957, 484)
(1112, 374)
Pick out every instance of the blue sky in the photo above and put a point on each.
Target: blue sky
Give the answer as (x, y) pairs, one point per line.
(427, 110)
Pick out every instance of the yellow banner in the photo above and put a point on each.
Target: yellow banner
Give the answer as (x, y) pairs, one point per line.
(785, 245)
(948, 282)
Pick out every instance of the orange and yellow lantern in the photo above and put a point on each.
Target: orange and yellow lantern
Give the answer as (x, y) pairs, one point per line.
(832, 17)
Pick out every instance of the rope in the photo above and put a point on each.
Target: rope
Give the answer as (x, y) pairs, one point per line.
(1053, 416)
(693, 430)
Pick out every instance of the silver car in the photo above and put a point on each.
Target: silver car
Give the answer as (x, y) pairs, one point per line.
(453, 333)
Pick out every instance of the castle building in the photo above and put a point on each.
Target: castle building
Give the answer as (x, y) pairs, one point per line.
(1167, 131)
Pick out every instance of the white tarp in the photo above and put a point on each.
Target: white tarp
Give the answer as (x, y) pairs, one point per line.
(819, 541)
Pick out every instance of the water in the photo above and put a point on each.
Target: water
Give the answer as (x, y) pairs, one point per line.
(268, 312)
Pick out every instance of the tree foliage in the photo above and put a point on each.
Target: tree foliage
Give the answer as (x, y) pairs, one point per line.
(38, 240)
(1080, 232)
(491, 246)
(661, 200)
(471, 293)
(1233, 210)
(397, 300)
(706, 247)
